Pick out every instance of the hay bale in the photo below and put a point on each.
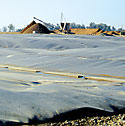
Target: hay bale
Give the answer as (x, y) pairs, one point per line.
(38, 28)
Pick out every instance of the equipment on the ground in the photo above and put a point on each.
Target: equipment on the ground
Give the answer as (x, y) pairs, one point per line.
(49, 26)
(65, 27)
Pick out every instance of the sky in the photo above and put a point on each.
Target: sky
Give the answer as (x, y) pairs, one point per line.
(21, 12)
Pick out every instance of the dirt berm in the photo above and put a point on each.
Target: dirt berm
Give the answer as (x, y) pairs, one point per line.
(86, 31)
(36, 27)
(28, 26)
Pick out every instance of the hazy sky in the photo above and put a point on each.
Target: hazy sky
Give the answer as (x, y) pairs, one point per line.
(21, 12)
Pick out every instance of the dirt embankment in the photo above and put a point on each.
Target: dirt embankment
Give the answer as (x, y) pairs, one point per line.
(79, 31)
(10, 33)
(112, 32)
(34, 27)
(37, 28)
(86, 31)
(28, 26)
(95, 32)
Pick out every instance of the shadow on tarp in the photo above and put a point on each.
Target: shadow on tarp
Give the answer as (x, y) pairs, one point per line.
(79, 113)
(71, 115)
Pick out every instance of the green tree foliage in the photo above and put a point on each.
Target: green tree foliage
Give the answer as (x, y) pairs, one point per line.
(120, 29)
(4, 29)
(74, 25)
(11, 28)
(102, 26)
(113, 28)
(19, 30)
(57, 26)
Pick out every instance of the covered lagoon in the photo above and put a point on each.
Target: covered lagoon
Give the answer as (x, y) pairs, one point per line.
(45, 76)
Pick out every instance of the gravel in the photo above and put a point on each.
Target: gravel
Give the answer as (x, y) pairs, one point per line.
(115, 120)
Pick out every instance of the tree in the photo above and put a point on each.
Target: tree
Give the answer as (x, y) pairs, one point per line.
(92, 25)
(108, 28)
(57, 26)
(83, 26)
(113, 28)
(74, 25)
(11, 28)
(19, 30)
(120, 29)
(4, 29)
(102, 26)
(78, 26)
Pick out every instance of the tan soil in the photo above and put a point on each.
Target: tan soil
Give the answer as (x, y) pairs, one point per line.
(38, 28)
(32, 23)
(86, 31)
